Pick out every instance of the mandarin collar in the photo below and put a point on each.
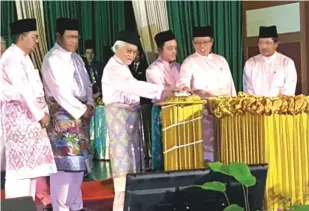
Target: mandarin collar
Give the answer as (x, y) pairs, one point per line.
(270, 58)
(210, 56)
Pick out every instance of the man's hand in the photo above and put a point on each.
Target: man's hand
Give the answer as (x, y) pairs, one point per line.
(169, 91)
(44, 121)
(186, 89)
(89, 112)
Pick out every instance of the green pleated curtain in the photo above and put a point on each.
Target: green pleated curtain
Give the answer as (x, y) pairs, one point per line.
(224, 16)
(109, 20)
(8, 15)
(99, 20)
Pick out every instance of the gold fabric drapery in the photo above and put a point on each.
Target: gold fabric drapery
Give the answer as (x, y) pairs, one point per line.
(267, 130)
(182, 133)
(34, 9)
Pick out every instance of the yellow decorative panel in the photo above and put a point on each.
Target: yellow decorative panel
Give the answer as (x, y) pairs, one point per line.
(258, 130)
(182, 134)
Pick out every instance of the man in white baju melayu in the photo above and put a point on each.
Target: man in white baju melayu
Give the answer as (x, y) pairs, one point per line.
(69, 95)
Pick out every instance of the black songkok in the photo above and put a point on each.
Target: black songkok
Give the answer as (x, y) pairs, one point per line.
(22, 26)
(268, 32)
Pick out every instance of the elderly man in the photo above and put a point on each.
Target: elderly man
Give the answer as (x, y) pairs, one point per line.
(163, 71)
(121, 95)
(25, 115)
(270, 73)
(69, 94)
(207, 74)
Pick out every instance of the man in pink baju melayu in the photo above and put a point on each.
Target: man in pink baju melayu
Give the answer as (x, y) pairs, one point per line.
(164, 71)
(25, 115)
(208, 75)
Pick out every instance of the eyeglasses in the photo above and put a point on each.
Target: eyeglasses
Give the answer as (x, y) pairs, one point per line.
(72, 37)
(268, 43)
(203, 42)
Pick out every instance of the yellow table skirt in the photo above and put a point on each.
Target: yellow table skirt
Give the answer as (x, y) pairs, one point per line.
(282, 141)
(182, 135)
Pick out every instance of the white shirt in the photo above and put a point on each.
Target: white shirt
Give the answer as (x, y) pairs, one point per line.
(208, 73)
(270, 76)
(67, 81)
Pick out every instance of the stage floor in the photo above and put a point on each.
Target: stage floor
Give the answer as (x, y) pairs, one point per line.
(97, 188)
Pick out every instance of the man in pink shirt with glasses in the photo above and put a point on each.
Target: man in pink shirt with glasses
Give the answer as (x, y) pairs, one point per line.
(208, 75)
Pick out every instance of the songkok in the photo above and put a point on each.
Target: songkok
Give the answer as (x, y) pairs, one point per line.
(63, 24)
(268, 32)
(89, 44)
(204, 31)
(22, 26)
(129, 37)
(163, 37)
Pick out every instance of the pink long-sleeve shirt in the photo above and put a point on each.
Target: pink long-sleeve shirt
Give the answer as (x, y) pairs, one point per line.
(18, 80)
(163, 73)
(119, 85)
(208, 73)
(270, 76)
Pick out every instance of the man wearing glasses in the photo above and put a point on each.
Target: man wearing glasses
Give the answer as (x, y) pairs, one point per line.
(208, 75)
(25, 114)
(69, 95)
(270, 73)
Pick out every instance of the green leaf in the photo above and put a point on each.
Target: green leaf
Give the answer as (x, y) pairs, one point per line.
(215, 166)
(302, 208)
(219, 167)
(242, 174)
(225, 169)
(214, 186)
(233, 207)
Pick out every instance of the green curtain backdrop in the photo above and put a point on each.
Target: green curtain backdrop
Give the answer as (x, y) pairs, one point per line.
(8, 15)
(109, 19)
(99, 20)
(224, 16)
